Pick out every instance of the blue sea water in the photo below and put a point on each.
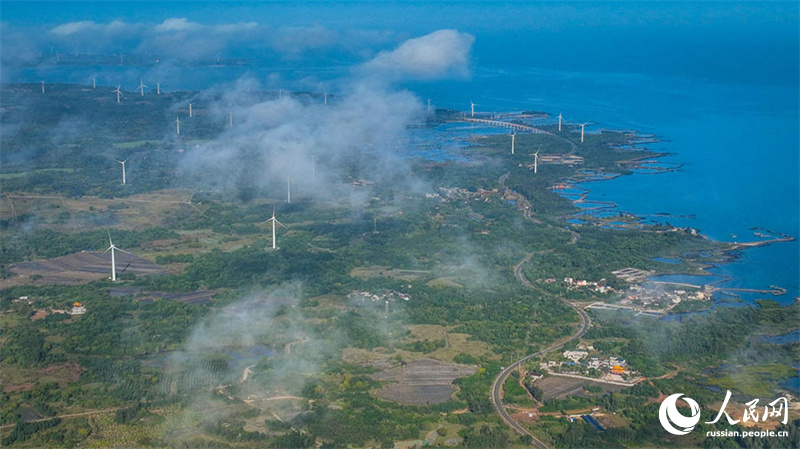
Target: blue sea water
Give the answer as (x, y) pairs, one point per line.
(789, 337)
(716, 82)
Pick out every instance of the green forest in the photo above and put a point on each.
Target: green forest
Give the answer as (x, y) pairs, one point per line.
(284, 349)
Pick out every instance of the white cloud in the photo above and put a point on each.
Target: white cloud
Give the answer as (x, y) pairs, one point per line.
(234, 27)
(437, 55)
(177, 24)
(71, 28)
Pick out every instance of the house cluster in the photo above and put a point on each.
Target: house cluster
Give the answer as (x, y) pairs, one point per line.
(361, 182)
(23, 300)
(389, 295)
(658, 297)
(586, 361)
(690, 231)
(457, 193)
(598, 286)
(558, 159)
(78, 308)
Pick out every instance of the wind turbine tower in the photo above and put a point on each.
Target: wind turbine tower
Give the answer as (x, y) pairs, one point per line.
(559, 122)
(118, 91)
(42, 86)
(274, 222)
(113, 248)
(94, 82)
(288, 190)
(123, 170)
(325, 95)
(513, 141)
(190, 110)
(230, 119)
(178, 125)
(141, 87)
(583, 128)
(158, 88)
(536, 160)
(472, 109)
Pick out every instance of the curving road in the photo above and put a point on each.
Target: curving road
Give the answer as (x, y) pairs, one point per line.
(497, 385)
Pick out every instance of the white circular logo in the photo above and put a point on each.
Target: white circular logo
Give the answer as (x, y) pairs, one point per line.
(668, 414)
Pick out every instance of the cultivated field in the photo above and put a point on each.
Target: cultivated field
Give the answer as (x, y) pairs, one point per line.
(561, 387)
(136, 212)
(424, 381)
(79, 268)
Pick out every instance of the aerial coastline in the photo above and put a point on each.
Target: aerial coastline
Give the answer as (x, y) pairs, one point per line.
(318, 226)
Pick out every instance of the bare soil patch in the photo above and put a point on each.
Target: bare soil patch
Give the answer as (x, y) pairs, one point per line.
(423, 381)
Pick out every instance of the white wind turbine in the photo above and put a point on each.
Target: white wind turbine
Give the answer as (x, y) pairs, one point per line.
(141, 86)
(472, 108)
(274, 222)
(190, 110)
(325, 95)
(288, 190)
(42, 86)
(123, 170)
(178, 125)
(94, 82)
(158, 88)
(230, 119)
(513, 141)
(118, 91)
(559, 122)
(583, 129)
(113, 248)
(536, 160)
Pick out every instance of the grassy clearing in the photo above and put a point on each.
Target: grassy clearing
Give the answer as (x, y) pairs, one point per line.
(456, 343)
(381, 271)
(135, 144)
(756, 381)
(444, 282)
(135, 213)
(39, 171)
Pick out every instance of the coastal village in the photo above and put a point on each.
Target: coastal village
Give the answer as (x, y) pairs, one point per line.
(586, 361)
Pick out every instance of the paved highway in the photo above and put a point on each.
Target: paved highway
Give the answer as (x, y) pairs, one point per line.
(497, 385)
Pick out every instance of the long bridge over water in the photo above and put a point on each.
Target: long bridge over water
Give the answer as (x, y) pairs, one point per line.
(514, 126)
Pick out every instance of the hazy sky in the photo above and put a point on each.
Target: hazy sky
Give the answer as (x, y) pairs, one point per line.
(750, 42)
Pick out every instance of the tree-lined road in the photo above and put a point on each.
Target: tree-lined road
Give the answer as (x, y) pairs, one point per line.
(497, 385)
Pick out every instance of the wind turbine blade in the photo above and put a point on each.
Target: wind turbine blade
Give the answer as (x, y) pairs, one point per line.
(107, 250)
(126, 252)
